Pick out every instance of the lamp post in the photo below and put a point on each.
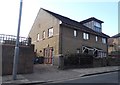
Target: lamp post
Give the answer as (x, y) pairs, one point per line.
(16, 52)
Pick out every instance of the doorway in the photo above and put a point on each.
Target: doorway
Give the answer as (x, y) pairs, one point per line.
(48, 53)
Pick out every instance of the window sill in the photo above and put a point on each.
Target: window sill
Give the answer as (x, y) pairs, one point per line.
(85, 39)
(96, 41)
(50, 37)
(74, 36)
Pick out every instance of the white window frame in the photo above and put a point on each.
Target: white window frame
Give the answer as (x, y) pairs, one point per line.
(85, 36)
(38, 37)
(104, 54)
(43, 35)
(104, 40)
(50, 32)
(75, 33)
(96, 38)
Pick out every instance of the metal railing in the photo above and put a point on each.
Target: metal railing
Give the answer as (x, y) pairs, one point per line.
(11, 39)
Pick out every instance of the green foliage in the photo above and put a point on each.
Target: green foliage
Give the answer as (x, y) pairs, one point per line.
(115, 53)
(113, 61)
(77, 59)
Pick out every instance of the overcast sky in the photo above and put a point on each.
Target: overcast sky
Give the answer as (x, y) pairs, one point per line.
(75, 9)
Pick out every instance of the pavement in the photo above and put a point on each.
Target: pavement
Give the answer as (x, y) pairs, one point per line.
(48, 73)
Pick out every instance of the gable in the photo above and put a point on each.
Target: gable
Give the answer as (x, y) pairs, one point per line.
(43, 21)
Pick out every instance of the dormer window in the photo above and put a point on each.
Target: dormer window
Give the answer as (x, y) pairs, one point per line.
(93, 24)
(97, 26)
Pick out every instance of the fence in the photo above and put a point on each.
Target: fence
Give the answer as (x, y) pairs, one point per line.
(11, 39)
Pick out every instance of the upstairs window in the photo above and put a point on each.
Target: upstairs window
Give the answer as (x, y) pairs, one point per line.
(96, 38)
(50, 32)
(104, 40)
(43, 34)
(85, 36)
(97, 26)
(38, 37)
(75, 33)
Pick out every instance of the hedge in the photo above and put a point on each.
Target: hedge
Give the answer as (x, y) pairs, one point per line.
(78, 59)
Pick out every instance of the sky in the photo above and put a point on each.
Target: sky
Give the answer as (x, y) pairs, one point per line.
(105, 10)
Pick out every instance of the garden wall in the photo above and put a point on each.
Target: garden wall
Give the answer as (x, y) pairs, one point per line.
(25, 64)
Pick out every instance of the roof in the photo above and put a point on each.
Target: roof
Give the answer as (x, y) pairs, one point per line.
(91, 19)
(69, 22)
(116, 36)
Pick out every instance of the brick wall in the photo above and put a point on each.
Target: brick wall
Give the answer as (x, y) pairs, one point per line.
(70, 43)
(25, 64)
(43, 22)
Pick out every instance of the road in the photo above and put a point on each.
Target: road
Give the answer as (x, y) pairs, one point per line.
(99, 78)
(104, 79)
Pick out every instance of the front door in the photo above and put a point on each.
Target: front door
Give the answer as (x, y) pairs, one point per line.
(48, 53)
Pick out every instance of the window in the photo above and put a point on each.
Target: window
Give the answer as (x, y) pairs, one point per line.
(104, 54)
(96, 38)
(43, 35)
(97, 24)
(104, 40)
(38, 37)
(75, 33)
(85, 36)
(97, 29)
(50, 32)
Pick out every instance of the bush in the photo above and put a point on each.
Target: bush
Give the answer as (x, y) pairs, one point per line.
(113, 61)
(71, 59)
(99, 62)
(78, 59)
(115, 53)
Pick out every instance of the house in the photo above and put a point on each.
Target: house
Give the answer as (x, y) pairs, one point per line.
(55, 35)
(114, 43)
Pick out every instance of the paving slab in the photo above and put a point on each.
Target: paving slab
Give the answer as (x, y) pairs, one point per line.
(48, 73)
